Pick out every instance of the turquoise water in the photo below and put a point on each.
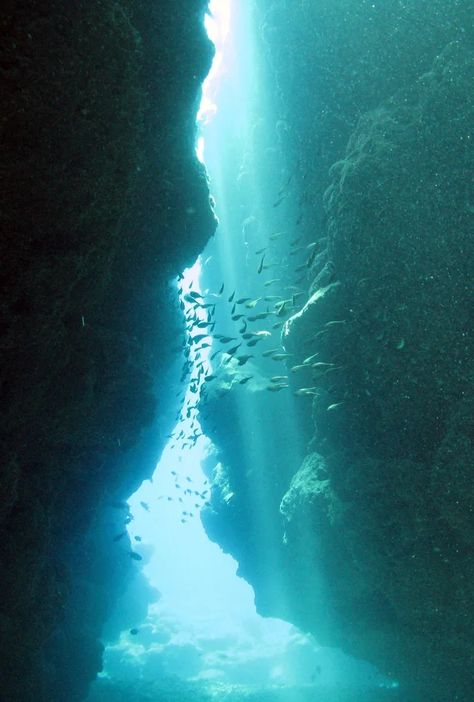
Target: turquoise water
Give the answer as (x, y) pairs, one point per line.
(291, 485)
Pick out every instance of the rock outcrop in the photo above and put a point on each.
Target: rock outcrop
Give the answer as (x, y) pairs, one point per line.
(103, 204)
(373, 533)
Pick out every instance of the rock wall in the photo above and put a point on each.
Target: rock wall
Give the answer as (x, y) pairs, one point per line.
(372, 538)
(103, 204)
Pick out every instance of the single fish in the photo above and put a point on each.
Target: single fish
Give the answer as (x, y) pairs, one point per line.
(303, 392)
(335, 322)
(260, 251)
(310, 359)
(262, 315)
(135, 556)
(282, 307)
(260, 268)
(232, 296)
(253, 303)
(245, 380)
(271, 282)
(311, 258)
(119, 536)
(299, 367)
(188, 297)
(199, 337)
(270, 352)
(281, 356)
(334, 405)
(276, 387)
(243, 300)
(243, 359)
(226, 339)
(278, 378)
(233, 349)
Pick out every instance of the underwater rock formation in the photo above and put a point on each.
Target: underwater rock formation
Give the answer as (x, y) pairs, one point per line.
(377, 522)
(246, 493)
(103, 204)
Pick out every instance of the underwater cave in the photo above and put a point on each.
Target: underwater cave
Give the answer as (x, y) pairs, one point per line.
(237, 351)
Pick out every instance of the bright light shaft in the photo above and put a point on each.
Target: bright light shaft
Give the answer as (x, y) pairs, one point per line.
(217, 24)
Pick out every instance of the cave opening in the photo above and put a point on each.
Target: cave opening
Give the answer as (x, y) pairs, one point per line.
(192, 623)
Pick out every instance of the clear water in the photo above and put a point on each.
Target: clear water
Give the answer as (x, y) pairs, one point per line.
(202, 637)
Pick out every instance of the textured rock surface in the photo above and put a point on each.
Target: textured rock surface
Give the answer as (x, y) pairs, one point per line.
(251, 476)
(396, 553)
(103, 204)
(378, 521)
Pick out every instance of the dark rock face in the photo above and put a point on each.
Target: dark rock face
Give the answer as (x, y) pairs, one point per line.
(399, 235)
(376, 538)
(103, 204)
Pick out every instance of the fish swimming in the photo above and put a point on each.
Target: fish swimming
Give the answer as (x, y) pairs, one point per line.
(225, 339)
(119, 536)
(253, 303)
(334, 405)
(303, 392)
(262, 315)
(310, 359)
(281, 356)
(270, 352)
(245, 380)
(243, 359)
